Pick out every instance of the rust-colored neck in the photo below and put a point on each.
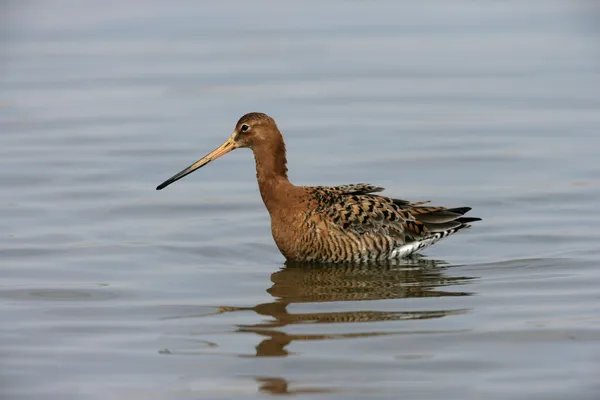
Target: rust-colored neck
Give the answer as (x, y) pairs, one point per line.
(271, 173)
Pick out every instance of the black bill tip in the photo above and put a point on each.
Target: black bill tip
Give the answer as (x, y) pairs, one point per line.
(168, 182)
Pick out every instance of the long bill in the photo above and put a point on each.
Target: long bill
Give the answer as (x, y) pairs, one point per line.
(218, 152)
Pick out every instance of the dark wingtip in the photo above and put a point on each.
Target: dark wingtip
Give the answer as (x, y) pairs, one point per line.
(460, 210)
(466, 220)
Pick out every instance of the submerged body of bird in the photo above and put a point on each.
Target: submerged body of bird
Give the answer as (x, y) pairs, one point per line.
(350, 223)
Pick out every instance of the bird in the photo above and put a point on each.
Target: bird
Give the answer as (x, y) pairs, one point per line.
(332, 224)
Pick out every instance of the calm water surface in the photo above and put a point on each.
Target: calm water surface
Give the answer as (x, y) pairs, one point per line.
(111, 290)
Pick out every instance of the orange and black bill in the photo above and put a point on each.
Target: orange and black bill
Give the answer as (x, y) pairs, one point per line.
(218, 152)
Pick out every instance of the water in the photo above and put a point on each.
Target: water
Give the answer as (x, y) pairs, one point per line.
(111, 290)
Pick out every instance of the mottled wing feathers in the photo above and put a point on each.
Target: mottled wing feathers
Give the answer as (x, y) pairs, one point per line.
(355, 212)
(363, 214)
(357, 188)
(355, 208)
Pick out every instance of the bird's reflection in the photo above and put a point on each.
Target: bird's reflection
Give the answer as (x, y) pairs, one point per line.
(280, 386)
(309, 283)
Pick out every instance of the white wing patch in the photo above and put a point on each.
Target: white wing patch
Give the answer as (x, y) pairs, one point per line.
(410, 248)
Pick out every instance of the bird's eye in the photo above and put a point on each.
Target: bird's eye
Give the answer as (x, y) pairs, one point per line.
(245, 128)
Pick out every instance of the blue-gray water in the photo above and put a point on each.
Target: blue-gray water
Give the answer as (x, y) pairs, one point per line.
(112, 290)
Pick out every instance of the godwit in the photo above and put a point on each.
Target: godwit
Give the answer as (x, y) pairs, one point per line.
(346, 223)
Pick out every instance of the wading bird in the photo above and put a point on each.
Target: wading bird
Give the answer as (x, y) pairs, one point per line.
(349, 223)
